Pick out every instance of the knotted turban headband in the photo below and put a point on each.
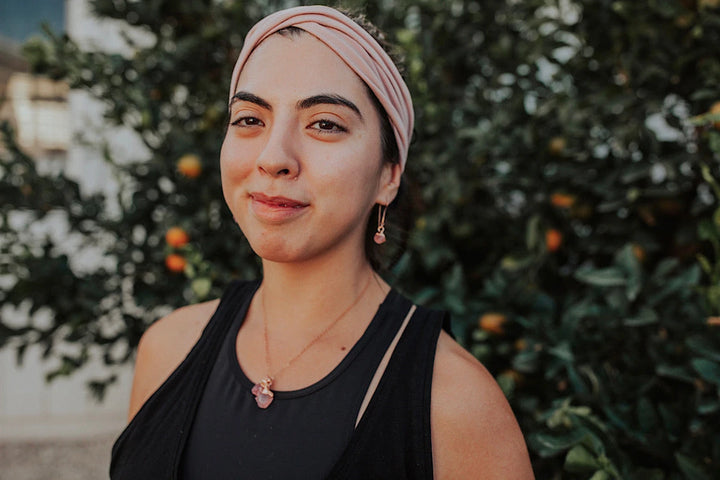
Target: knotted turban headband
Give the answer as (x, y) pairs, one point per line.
(356, 47)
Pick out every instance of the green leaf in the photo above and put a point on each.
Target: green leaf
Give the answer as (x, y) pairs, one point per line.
(629, 264)
(704, 263)
(707, 369)
(716, 220)
(671, 418)
(690, 468)
(606, 277)
(708, 407)
(426, 295)
(201, 287)
(563, 352)
(714, 141)
(708, 177)
(679, 283)
(515, 263)
(506, 384)
(548, 444)
(526, 362)
(704, 346)
(712, 294)
(677, 373)
(580, 460)
(647, 418)
(665, 268)
(600, 475)
(646, 316)
(704, 94)
(532, 233)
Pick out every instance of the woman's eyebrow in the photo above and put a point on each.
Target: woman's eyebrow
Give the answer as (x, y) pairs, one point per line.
(328, 98)
(252, 98)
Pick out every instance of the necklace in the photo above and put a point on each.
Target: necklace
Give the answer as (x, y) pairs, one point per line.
(263, 395)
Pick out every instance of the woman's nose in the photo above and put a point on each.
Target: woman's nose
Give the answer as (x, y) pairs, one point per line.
(279, 156)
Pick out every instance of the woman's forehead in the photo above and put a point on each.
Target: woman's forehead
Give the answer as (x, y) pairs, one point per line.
(299, 65)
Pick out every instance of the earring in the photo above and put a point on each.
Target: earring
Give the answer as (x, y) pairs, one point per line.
(380, 234)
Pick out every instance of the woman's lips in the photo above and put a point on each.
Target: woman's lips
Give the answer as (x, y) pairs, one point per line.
(274, 208)
(277, 201)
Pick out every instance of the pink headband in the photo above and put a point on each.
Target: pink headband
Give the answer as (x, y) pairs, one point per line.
(356, 47)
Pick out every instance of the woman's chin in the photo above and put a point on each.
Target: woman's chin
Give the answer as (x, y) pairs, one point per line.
(279, 252)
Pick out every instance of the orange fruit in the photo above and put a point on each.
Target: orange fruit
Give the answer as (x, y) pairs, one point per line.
(493, 322)
(176, 237)
(639, 252)
(622, 77)
(175, 263)
(189, 165)
(715, 108)
(647, 215)
(553, 240)
(581, 211)
(685, 20)
(521, 344)
(708, 4)
(670, 206)
(557, 145)
(510, 373)
(562, 200)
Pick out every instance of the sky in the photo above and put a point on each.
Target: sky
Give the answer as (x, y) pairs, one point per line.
(20, 19)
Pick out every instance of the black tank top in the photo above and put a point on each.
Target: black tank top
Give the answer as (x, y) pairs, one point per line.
(391, 441)
(303, 433)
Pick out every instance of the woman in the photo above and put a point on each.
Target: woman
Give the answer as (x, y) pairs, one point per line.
(320, 370)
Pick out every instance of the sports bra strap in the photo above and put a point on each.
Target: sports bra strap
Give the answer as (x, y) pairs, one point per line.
(383, 365)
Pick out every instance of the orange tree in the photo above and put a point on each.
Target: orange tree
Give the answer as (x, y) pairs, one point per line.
(561, 187)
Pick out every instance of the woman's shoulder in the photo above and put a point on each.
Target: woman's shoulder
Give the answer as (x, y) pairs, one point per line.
(178, 331)
(473, 427)
(163, 346)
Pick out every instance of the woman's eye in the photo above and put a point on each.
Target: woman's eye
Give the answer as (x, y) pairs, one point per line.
(248, 122)
(327, 126)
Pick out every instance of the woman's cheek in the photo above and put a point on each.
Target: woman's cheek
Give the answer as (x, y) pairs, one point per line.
(231, 177)
(233, 164)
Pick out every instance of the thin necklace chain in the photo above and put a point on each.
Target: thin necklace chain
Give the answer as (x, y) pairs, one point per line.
(313, 341)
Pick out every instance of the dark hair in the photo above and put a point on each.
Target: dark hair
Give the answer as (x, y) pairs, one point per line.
(379, 257)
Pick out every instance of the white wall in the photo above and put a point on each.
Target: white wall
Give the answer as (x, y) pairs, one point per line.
(30, 408)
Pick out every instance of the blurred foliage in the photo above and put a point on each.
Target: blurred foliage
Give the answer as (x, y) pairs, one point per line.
(562, 181)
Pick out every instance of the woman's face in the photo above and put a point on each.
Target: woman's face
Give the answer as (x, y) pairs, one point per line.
(301, 161)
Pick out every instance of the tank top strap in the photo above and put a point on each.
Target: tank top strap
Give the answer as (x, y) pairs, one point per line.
(150, 445)
(393, 438)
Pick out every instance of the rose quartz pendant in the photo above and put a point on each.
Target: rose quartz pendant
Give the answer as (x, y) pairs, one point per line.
(379, 238)
(263, 394)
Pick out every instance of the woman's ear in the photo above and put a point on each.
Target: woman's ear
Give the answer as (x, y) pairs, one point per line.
(389, 183)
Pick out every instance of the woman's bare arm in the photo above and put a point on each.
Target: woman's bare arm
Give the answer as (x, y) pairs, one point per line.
(474, 432)
(163, 347)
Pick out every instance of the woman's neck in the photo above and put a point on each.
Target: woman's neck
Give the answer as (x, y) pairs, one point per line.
(311, 293)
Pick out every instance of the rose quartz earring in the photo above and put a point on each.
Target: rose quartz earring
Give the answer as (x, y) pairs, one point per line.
(380, 234)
